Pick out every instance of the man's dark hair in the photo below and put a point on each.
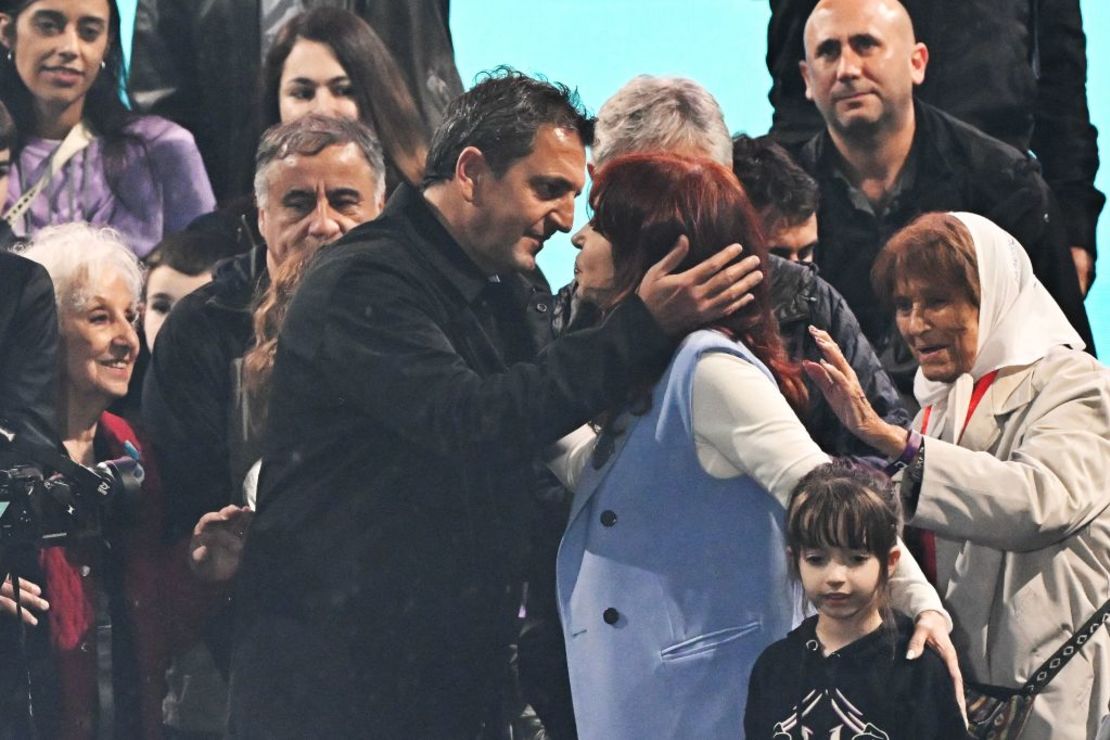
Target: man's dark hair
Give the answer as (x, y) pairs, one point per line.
(310, 135)
(500, 116)
(774, 180)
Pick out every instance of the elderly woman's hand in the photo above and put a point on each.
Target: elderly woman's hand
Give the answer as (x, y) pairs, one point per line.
(839, 385)
(931, 628)
(30, 597)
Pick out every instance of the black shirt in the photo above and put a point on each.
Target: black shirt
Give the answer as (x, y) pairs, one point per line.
(867, 688)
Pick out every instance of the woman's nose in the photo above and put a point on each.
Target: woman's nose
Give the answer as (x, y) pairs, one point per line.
(67, 41)
(916, 322)
(327, 104)
(126, 339)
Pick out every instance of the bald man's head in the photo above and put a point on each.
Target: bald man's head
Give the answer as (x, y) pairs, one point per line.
(862, 63)
(890, 13)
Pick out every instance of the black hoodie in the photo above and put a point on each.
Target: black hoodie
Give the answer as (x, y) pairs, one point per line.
(864, 690)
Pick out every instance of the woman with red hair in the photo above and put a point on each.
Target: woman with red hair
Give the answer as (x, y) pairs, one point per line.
(672, 574)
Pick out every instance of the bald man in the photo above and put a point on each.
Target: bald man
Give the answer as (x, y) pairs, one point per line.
(1017, 69)
(885, 157)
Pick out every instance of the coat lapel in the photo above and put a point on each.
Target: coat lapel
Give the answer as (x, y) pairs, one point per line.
(1011, 390)
(592, 477)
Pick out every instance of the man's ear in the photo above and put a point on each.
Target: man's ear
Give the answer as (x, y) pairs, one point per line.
(7, 30)
(919, 60)
(804, 69)
(471, 171)
(591, 168)
(262, 223)
(892, 559)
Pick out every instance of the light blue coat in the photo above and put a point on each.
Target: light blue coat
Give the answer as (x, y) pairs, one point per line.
(671, 582)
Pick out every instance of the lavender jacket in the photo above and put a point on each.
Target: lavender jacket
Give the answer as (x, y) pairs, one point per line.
(161, 187)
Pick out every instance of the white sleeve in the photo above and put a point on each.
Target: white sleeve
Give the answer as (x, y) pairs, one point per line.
(567, 457)
(910, 592)
(744, 426)
(250, 485)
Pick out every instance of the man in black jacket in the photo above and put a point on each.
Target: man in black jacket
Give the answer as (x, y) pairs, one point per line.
(1016, 69)
(379, 585)
(28, 329)
(884, 158)
(28, 350)
(320, 177)
(317, 178)
(783, 193)
(183, 50)
(28, 384)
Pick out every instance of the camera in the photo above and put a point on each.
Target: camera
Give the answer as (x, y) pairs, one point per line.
(47, 499)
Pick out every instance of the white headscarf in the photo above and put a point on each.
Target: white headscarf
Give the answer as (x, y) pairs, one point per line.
(1019, 322)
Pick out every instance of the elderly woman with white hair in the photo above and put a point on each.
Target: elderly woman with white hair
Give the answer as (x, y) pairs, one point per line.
(1008, 464)
(99, 597)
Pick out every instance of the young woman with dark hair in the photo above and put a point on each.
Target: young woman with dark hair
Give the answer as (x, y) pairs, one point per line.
(330, 61)
(81, 155)
(672, 574)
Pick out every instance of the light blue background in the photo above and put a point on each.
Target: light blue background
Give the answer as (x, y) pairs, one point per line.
(597, 45)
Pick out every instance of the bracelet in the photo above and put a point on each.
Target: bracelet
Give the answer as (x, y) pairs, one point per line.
(909, 452)
(910, 490)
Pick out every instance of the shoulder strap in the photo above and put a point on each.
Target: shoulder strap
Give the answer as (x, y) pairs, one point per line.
(1060, 658)
(77, 139)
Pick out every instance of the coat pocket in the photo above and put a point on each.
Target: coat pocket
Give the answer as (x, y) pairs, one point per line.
(708, 642)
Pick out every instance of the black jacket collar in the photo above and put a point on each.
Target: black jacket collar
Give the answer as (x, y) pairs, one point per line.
(434, 242)
(931, 149)
(236, 280)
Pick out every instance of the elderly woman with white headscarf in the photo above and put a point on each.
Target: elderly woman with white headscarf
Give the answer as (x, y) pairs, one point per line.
(1008, 463)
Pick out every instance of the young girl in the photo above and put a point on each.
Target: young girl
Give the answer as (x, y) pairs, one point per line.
(843, 673)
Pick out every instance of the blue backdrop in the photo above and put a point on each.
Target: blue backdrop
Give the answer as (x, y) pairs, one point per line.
(597, 45)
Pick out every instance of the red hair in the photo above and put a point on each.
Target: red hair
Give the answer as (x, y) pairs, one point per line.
(642, 203)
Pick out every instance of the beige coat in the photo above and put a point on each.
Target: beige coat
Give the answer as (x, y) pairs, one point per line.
(1021, 509)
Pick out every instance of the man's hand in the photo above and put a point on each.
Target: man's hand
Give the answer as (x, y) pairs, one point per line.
(217, 543)
(30, 596)
(1084, 268)
(702, 294)
(931, 628)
